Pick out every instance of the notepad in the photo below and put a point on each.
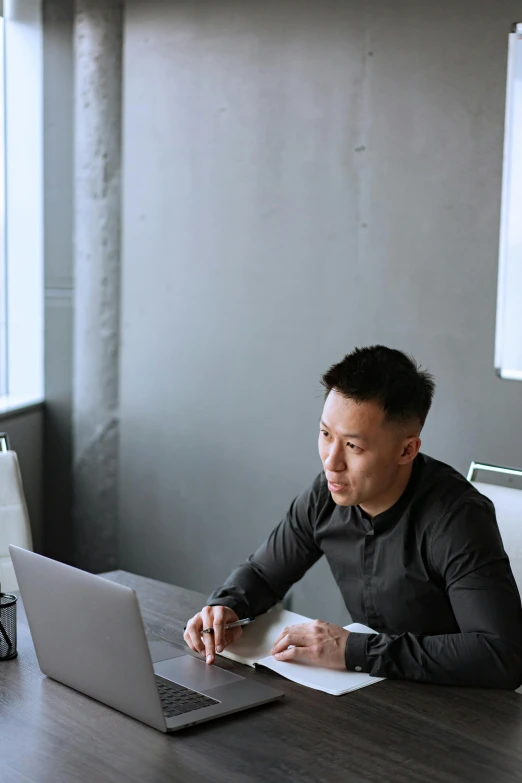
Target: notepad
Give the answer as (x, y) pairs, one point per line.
(253, 649)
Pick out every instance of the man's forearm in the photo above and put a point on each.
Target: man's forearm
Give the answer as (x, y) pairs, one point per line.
(246, 592)
(471, 659)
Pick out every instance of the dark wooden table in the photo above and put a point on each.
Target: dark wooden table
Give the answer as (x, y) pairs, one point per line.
(391, 731)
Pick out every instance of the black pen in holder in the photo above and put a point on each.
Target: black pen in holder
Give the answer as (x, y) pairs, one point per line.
(7, 627)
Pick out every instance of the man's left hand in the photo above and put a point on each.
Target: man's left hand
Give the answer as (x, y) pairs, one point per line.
(316, 642)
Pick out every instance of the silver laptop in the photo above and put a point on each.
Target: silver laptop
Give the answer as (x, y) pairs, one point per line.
(88, 634)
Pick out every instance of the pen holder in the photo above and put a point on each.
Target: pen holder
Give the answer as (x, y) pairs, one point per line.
(7, 627)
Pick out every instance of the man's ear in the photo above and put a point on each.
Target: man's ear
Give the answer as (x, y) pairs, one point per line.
(410, 449)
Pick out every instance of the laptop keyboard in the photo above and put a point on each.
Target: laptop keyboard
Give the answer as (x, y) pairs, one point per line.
(176, 699)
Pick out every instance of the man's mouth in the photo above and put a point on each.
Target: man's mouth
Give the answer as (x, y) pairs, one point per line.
(333, 487)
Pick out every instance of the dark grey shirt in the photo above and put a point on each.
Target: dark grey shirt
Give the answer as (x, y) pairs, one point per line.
(430, 575)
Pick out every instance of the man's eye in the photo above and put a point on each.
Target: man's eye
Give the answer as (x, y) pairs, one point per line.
(353, 446)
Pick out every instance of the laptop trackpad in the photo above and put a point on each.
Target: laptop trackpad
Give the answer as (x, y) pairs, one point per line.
(194, 673)
(160, 651)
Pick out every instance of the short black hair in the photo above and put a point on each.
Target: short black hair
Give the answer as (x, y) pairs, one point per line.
(387, 376)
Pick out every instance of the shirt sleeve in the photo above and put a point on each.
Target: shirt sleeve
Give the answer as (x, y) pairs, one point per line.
(468, 555)
(289, 551)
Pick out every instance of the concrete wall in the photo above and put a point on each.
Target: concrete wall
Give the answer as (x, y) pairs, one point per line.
(98, 39)
(299, 178)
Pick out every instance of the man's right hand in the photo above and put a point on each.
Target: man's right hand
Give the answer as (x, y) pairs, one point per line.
(207, 644)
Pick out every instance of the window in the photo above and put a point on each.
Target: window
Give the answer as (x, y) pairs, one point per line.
(508, 343)
(3, 281)
(21, 205)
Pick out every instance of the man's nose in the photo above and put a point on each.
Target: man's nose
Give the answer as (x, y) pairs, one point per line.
(335, 460)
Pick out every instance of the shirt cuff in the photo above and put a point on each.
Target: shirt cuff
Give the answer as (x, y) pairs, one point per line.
(355, 652)
(231, 603)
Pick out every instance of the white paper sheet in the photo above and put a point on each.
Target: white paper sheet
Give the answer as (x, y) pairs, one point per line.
(254, 649)
(328, 680)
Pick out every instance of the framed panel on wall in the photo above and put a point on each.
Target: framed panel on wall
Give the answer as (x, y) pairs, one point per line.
(508, 338)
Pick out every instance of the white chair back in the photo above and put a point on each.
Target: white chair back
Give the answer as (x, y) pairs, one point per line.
(508, 508)
(14, 519)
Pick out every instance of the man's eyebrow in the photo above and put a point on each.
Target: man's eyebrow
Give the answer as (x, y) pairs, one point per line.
(346, 434)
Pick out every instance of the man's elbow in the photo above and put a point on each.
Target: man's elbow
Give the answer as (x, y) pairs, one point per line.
(513, 677)
(509, 672)
(499, 665)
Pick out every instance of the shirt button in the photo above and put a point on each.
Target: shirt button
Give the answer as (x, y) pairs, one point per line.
(358, 669)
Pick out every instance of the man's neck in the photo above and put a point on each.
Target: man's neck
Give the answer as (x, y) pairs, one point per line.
(388, 498)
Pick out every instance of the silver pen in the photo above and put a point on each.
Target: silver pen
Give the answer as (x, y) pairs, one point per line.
(235, 624)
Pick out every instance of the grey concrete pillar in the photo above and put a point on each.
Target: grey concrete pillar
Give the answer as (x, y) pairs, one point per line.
(97, 194)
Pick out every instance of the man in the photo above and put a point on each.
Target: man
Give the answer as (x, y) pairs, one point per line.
(414, 548)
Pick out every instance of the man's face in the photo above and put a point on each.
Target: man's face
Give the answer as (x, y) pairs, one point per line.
(360, 450)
